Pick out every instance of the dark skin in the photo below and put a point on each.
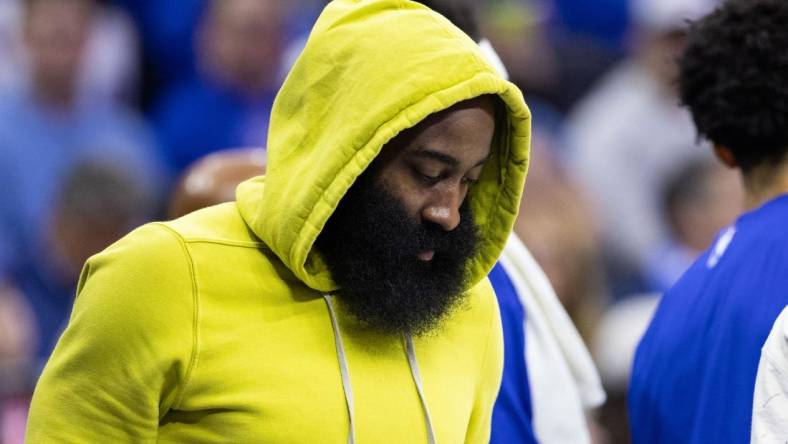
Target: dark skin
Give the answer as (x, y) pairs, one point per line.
(762, 183)
(430, 167)
(402, 232)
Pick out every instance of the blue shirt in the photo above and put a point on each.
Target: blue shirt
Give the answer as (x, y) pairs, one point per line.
(201, 117)
(39, 146)
(694, 370)
(50, 295)
(166, 30)
(512, 414)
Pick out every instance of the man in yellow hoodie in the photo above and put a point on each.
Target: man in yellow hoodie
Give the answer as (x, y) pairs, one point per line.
(342, 297)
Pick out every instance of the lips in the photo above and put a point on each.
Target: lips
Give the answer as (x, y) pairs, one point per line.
(426, 255)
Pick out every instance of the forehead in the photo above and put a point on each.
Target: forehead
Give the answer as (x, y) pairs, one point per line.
(244, 11)
(468, 124)
(463, 132)
(456, 122)
(59, 9)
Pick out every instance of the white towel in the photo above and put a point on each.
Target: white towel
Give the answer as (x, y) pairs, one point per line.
(563, 379)
(770, 400)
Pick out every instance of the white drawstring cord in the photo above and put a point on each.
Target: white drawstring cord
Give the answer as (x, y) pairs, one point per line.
(414, 371)
(351, 439)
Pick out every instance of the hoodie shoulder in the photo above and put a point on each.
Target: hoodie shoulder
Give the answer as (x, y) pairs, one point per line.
(221, 224)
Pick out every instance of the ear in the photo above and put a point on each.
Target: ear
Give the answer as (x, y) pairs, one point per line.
(725, 155)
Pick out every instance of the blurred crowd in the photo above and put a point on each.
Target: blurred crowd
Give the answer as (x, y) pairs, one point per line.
(104, 105)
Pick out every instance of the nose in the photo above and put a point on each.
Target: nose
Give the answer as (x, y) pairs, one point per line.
(444, 209)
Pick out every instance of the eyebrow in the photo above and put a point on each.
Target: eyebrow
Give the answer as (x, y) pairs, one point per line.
(444, 158)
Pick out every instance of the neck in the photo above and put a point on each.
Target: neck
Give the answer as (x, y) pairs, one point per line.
(59, 95)
(764, 183)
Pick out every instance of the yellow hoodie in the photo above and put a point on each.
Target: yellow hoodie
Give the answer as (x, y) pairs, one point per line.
(214, 328)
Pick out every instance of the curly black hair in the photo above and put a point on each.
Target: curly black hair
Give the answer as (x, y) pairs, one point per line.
(733, 76)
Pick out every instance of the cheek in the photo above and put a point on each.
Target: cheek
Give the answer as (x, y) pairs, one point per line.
(413, 206)
(409, 195)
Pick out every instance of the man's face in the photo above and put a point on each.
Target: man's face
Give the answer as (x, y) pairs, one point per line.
(56, 32)
(241, 42)
(399, 241)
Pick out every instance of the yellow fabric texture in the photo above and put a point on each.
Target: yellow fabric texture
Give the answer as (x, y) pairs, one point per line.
(212, 328)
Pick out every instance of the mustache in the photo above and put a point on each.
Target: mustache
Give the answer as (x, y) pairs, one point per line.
(422, 236)
(408, 237)
(371, 245)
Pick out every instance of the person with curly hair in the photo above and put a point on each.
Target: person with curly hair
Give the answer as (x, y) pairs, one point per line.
(694, 375)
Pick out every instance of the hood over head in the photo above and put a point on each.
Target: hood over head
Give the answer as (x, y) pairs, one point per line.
(371, 69)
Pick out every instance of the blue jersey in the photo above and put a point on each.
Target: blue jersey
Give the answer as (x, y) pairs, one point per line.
(694, 370)
(512, 415)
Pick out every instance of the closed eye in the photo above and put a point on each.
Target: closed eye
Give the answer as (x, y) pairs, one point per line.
(428, 178)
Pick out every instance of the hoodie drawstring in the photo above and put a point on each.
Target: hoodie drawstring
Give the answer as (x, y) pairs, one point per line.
(351, 438)
(343, 368)
(414, 371)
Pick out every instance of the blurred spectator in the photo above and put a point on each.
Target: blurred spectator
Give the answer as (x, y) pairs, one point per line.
(166, 30)
(98, 204)
(239, 46)
(555, 50)
(604, 21)
(617, 334)
(517, 31)
(17, 336)
(629, 134)
(10, 44)
(587, 39)
(46, 127)
(557, 225)
(111, 63)
(212, 179)
(698, 201)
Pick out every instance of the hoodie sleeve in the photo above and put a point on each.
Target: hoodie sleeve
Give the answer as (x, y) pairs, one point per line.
(128, 348)
(490, 374)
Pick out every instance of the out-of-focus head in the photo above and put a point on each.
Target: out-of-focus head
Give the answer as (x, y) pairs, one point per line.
(666, 16)
(240, 42)
(56, 33)
(733, 79)
(557, 225)
(463, 16)
(700, 200)
(459, 12)
(659, 30)
(518, 31)
(98, 204)
(212, 179)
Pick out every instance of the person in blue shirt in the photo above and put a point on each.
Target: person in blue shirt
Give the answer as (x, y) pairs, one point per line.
(695, 369)
(47, 126)
(97, 203)
(227, 102)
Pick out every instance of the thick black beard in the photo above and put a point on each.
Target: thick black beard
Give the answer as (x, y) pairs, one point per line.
(370, 245)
